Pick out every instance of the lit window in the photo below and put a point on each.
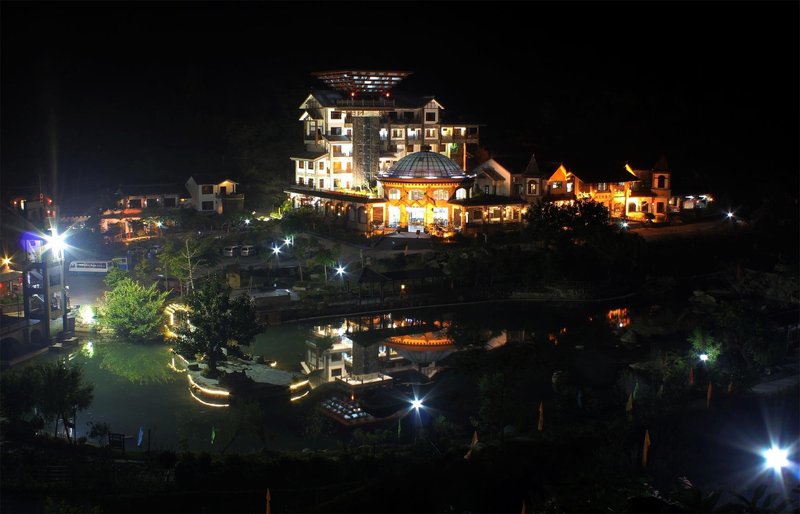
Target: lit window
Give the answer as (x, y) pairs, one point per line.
(602, 186)
(570, 186)
(416, 194)
(531, 187)
(394, 194)
(461, 193)
(430, 133)
(555, 185)
(336, 115)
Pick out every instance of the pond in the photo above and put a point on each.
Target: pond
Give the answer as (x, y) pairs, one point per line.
(136, 389)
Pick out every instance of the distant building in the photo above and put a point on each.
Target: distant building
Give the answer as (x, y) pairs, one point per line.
(138, 208)
(210, 195)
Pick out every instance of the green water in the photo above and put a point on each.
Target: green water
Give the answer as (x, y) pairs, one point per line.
(135, 388)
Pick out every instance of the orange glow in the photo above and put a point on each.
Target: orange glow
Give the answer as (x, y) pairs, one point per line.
(618, 318)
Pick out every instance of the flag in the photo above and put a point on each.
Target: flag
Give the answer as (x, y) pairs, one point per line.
(269, 499)
(213, 434)
(635, 389)
(708, 395)
(691, 376)
(629, 405)
(645, 448)
(730, 387)
(472, 445)
(541, 416)
(580, 399)
(141, 437)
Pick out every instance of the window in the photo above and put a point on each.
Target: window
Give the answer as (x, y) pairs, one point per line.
(135, 204)
(170, 201)
(207, 190)
(311, 182)
(322, 183)
(555, 185)
(570, 186)
(476, 215)
(397, 133)
(336, 372)
(661, 181)
(337, 183)
(336, 357)
(301, 165)
(645, 207)
(441, 194)
(531, 187)
(336, 131)
(416, 194)
(336, 115)
(410, 148)
(660, 207)
(631, 206)
(430, 116)
(207, 206)
(461, 193)
(430, 133)
(321, 166)
(602, 186)
(394, 194)
(486, 189)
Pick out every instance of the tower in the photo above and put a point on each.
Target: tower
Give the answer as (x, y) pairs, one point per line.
(367, 94)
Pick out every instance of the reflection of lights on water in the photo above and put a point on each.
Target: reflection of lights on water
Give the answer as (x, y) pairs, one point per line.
(295, 398)
(88, 349)
(776, 458)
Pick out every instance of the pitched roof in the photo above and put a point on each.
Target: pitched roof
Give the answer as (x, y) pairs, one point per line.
(308, 156)
(487, 170)
(208, 178)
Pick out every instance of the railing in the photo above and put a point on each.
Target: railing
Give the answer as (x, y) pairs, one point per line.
(365, 102)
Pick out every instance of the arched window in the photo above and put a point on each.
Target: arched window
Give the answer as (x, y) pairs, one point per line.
(441, 194)
(631, 206)
(461, 193)
(394, 194)
(662, 180)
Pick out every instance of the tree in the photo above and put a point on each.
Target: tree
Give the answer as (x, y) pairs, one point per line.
(326, 257)
(133, 311)
(62, 393)
(215, 321)
(115, 276)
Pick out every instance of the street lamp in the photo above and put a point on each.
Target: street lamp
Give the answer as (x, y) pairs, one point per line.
(57, 243)
(7, 263)
(704, 357)
(776, 458)
(276, 251)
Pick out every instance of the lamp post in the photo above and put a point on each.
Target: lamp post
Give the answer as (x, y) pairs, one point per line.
(340, 272)
(57, 244)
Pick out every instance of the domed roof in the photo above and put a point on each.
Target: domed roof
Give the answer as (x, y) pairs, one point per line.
(424, 165)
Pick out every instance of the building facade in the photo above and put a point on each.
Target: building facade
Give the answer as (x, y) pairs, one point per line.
(211, 195)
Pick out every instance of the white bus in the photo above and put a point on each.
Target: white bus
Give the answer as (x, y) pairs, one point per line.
(90, 266)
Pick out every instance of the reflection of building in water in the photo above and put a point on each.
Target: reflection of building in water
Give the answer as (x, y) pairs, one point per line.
(370, 346)
(618, 318)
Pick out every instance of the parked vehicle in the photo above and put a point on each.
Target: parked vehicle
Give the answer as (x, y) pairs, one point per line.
(90, 266)
(230, 251)
(248, 250)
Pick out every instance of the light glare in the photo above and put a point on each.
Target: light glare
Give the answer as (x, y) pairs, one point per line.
(776, 458)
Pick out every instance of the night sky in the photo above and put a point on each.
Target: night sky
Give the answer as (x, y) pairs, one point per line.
(125, 92)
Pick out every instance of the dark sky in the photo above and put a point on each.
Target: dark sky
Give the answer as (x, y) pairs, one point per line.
(134, 91)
